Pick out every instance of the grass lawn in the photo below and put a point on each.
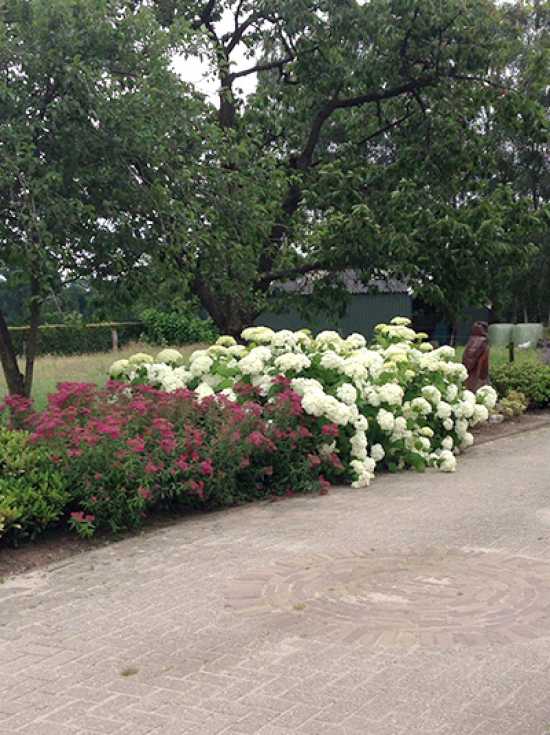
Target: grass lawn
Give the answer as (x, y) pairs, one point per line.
(499, 355)
(92, 368)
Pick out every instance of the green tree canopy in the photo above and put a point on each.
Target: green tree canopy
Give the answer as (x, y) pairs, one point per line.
(88, 105)
(368, 143)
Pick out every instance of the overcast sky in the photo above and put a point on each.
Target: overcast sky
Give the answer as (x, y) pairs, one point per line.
(192, 70)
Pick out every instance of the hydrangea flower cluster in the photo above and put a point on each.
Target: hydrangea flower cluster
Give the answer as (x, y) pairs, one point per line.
(397, 403)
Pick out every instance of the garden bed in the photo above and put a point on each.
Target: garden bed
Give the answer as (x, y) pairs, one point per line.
(58, 545)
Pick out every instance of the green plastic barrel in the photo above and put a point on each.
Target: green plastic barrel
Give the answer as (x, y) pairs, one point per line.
(527, 334)
(500, 335)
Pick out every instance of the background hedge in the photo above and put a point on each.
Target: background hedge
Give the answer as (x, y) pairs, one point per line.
(530, 378)
(65, 339)
(176, 327)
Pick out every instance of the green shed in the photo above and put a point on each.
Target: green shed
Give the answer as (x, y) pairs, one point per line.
(370, 304)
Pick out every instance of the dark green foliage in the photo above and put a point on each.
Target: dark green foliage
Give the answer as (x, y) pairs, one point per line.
(33, 494)
(88, 109)
(531, 379)
(76, 339)
(176, 328)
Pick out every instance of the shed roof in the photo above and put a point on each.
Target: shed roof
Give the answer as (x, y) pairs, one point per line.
(350, 279)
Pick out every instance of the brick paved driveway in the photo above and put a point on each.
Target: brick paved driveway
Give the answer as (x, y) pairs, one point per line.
(420, 605)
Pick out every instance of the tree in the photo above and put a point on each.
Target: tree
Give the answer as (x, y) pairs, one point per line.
(301, 176)
(522, 143)
(87, 102)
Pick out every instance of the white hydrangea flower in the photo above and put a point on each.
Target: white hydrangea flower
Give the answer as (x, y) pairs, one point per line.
(313, 402)
(425, 347)
(328, 337)
(336, 411)
(359, 445)
(377, 452)
(200, 365)
(448, 424)
(446, 352)
(432, 394)
(452, 393)
(260, 353)
(467, 440)
(284, 338)
(226, 341)
(250, 365)
(371, 396)
(488, 396)
(217, 351)
(301, 385)
(295, 361)
(140, 358)
(447, 442)
(360, 423)
(169, 356)
(212, 380)
(355, 340)
(347, 393)
(229, 393)
(447, 461)
(183, 374)
(363, 470)
(385, 419)
(426, 431)
(391, 393)
(402, 321)
(203, 390)
(118, 368)
(332, 360)
(236, 350)
(400, 428)
(444, 410)
(262, 335)
(480, 415)
(197, 353)
(421, 405)
(263, 383)
(425, 443)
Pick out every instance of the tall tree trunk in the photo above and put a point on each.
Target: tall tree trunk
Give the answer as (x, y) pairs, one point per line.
(229, 312)
(14, 378)
(32, 340)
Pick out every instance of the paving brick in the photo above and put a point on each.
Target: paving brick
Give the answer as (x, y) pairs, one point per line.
(420, 606)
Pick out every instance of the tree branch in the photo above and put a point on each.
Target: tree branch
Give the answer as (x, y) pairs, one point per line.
(235, 38)
(205, 16)
(278, 64)
(265, 279)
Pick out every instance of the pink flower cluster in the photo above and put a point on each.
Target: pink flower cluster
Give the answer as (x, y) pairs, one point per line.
(127, 451)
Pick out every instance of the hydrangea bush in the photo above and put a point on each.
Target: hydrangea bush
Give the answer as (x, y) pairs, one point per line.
(395, 404)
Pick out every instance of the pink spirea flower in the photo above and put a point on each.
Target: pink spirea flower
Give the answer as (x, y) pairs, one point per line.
(137, 445)
(207, 468)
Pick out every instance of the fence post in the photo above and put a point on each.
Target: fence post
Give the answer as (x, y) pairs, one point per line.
(114, 339)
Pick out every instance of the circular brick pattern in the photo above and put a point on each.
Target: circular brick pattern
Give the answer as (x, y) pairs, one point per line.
(441, 598)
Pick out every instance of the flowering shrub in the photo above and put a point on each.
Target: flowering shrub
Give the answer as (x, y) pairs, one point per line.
(398, 404)
(124, 453)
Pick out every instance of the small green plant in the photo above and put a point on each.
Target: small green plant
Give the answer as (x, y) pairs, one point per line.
(33, 494)
(513, 404)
